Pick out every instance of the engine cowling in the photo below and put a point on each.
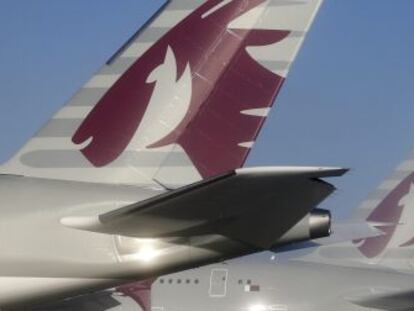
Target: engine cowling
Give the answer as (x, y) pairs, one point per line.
(315, 225)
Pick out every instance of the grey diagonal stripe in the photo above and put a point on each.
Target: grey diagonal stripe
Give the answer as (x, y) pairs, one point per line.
(276, 3)
(275, 65)
(88, 97)
(184, 4)
(119, 66)
(75, 159)
(60, 128)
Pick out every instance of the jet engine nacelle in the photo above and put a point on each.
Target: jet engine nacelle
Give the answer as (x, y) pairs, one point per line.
(315, 225)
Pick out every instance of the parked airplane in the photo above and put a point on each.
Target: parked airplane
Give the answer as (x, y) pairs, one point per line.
(375, 273)
(139, 174)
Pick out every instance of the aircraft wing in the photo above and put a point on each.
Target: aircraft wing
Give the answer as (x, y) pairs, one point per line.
(256, 206)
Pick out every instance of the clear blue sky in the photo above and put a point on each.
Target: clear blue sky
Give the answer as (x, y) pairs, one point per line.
(348, 100)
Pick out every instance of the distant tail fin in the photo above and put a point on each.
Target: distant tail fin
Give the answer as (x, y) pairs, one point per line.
(184, 100)
(390, 210)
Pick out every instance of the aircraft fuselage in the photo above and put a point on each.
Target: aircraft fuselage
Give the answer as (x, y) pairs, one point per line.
(41, 259)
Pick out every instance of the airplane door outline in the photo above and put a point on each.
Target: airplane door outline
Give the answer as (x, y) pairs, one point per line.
(218, 283)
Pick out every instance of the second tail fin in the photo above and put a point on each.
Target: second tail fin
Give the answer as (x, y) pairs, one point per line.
(390, 211)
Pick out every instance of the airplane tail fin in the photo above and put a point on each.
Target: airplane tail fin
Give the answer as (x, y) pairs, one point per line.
(182, 101)
(389, 211)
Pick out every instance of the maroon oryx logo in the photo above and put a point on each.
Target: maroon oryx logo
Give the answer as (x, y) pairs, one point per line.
(225, 80)
(387, 215)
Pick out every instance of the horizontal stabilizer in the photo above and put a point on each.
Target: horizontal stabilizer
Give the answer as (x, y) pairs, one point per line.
(255, 205)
